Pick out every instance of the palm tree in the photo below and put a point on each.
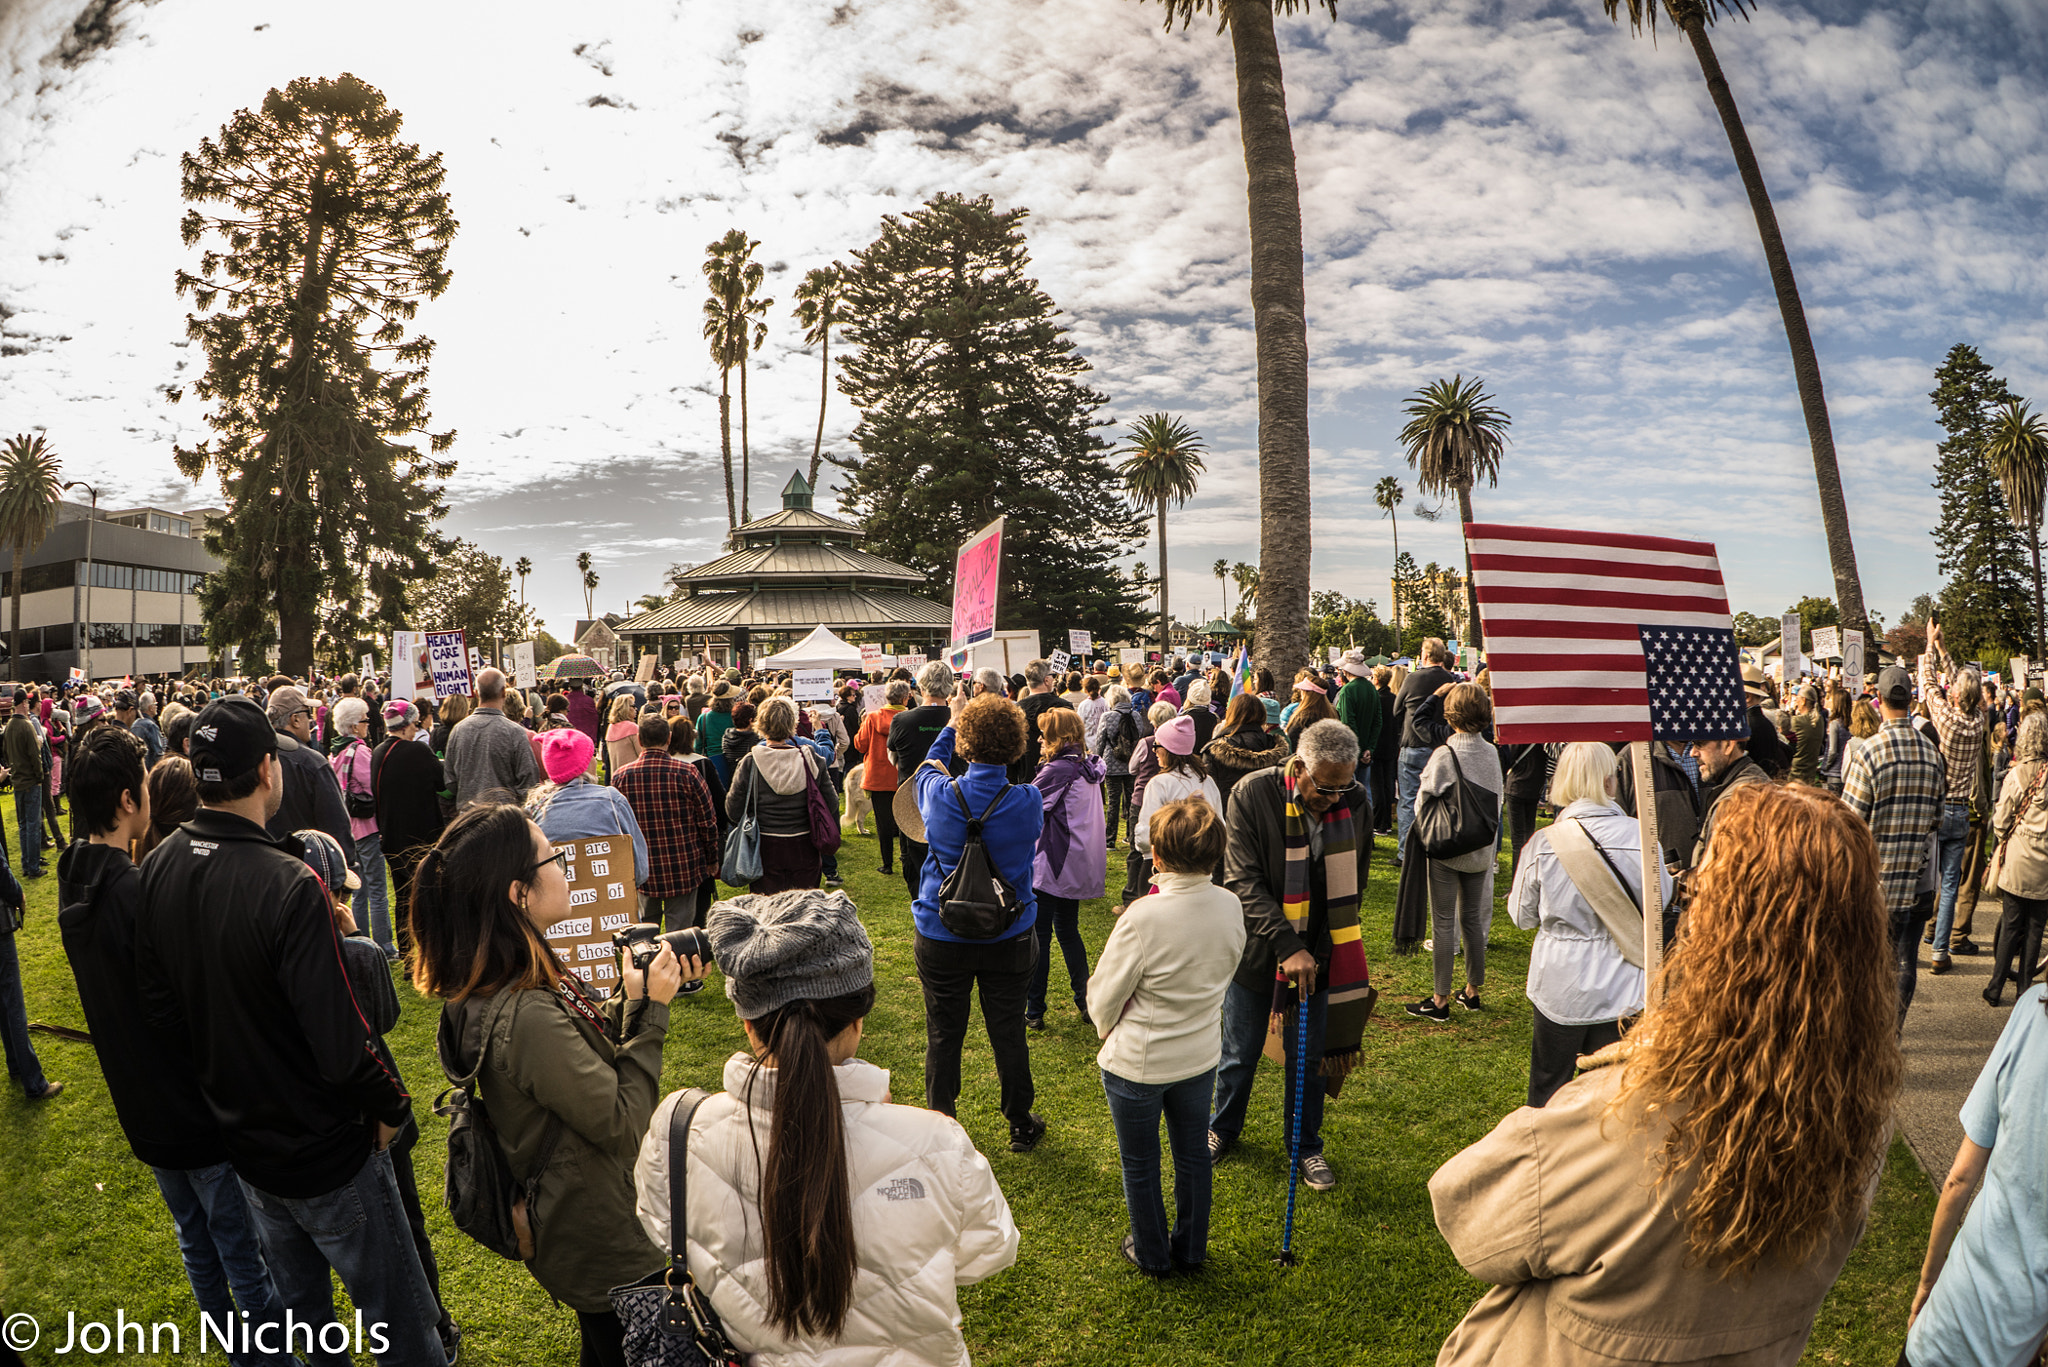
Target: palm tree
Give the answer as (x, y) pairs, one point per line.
(817, 311)
(1691, 18)
(1163, 460)
(1246, 577)
(1279, 315)
(1453, 437)
(2018, 452)
(1221, 569)
(29, 489)
(522, 567)
(733, 326)
(589, 581)
(1388, 493)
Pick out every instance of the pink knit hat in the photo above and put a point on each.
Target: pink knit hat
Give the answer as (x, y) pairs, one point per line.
(565, 753)
(1178, 735)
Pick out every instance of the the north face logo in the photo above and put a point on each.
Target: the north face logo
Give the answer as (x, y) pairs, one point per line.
(902, 1189)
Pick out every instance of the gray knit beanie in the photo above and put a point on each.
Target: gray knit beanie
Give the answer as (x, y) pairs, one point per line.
(803, 944)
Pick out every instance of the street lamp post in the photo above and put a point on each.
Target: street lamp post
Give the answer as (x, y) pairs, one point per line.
(94, 516)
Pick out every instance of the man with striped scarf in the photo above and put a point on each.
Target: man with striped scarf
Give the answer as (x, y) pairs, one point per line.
(1300, 844)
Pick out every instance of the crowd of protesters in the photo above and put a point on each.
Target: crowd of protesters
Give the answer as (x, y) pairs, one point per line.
(293, 840)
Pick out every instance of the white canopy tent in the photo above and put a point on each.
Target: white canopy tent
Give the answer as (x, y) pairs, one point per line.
(819, 650)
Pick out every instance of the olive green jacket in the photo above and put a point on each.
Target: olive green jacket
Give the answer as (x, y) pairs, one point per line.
(545, 1060)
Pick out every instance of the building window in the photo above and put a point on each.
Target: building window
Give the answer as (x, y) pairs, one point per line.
(105, 576)
(111, 635)
(195, 634)
(156, 634)
(56, 637)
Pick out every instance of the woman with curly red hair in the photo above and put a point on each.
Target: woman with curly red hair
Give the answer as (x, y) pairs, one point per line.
(1694, 1195)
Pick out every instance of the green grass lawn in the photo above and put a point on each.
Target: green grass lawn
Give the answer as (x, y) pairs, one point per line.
(82, 1227)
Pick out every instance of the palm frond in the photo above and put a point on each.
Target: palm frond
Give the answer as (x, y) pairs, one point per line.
(1642, 14)
(1184, 11)
(1454, 435)
(2018, 453)
(1162, 461)
(31, 482)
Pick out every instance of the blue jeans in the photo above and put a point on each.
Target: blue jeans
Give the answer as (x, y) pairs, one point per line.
(1245, 1015)
(1135, 1109)
(376, 897)
(1410, 778)
(219, 1247)
(22, 1064)
(360, 1231)
(28, 812)
(1061, 916)
(1951, 844)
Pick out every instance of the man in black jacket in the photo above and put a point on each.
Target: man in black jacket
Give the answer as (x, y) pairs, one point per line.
(149, 1073)
(312, 794)
(1432, 673)
(407, 780)
(238, 960)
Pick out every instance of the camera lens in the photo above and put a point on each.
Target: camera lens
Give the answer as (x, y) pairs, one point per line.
(689, 942)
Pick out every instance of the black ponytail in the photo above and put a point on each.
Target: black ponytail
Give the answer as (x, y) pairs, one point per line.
(806, 1197)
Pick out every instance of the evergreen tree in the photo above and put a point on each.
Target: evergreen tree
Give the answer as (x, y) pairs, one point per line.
(1985, 603)
(972, 408)
(472, 592)
(1422, 611)
(328, 233)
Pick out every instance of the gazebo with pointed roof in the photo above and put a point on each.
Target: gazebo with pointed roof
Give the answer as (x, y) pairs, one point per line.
(781, 576)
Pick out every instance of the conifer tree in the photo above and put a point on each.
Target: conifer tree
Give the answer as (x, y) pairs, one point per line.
(1985, 602)
(972, 407)
(323, 233)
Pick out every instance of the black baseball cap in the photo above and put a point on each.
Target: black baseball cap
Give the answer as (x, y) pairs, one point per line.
(230, 738)
(1895, 686)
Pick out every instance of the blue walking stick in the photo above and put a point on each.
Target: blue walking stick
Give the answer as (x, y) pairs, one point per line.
(1299, 1066)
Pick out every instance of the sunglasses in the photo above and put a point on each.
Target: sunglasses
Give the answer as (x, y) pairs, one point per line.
(1337, 791)
(558, 857)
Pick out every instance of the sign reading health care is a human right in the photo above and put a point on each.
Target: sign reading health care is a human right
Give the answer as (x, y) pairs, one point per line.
(448, 660)
(975, 573)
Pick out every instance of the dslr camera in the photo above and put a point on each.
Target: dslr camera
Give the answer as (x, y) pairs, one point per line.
(641, 942)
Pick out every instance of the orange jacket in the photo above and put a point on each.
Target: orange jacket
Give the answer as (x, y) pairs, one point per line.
(873, 743)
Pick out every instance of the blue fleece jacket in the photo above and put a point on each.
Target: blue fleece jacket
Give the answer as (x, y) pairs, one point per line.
(1010, 834)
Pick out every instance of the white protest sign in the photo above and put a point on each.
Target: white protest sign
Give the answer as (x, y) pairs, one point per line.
(873, 698)
(368, 666)
(913, 663)
(410, 676)
(1336, 654)
(1131, 655)
(1852, 662)
(1827, 643)
(1080, 642)
(886, 662)
(811, 685)
(870, 657)
(1788, 647)
(2018, 664)
(522, 664)
(448, 660)
(1058, 661)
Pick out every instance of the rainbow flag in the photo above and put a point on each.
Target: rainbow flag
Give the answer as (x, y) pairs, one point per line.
(1242, 672)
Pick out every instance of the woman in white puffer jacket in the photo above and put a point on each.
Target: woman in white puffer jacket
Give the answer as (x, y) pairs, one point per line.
(911, 1214)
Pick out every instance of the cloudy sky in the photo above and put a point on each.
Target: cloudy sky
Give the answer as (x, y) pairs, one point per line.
(1518, 190)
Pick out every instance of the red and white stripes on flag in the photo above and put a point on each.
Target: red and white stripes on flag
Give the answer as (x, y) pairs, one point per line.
(1567, 616)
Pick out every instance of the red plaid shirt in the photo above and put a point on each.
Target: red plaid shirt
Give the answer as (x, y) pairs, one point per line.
(673, 808)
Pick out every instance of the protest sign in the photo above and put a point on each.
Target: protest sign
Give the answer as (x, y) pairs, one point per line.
(975, 572)
(1080, 642)
(367, 666)
(2019, 671)
(913, 663)
(886, 662)
(645, 673)
(1827, 643)
(410, 675)
(1336, 654)
(476, 662)
(448, 662)
(1131, 655)
(870, 657)
(957, 659)
(1852, 662)
(1058, 661)
(1788, 647)
(873, 698)
(811, 685)
(602, 899)
(522, 664)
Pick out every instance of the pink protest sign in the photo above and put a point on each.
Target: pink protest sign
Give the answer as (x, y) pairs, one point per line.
(974, 585)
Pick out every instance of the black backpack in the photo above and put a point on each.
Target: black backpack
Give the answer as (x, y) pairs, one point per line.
(483, 1198)
(976, 902)
(1125, 742)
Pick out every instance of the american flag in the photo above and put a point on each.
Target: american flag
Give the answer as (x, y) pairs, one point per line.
(1605, 636)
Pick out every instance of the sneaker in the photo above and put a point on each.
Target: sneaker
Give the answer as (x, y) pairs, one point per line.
(1940, 966)
(1034, 1022)
(1964, 947)
(49, 1092)
(886, 871)
(1316, 1171)
(833, 880)
(1468, 1000)
(451, 1344)
(1024, 1138)
(1131, 1257)
(1218, 1146)
(1427, 1009)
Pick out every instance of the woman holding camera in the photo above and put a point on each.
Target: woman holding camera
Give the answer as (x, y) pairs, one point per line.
(823, 1223)
(568, 1081)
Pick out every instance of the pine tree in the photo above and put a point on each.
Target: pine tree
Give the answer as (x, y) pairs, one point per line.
(972, 408)
(1985, 605)
(329, 232)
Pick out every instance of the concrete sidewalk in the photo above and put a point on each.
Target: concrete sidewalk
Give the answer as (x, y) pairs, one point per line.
(1949, 1034)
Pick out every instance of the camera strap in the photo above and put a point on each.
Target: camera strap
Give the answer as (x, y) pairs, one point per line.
(570, 990)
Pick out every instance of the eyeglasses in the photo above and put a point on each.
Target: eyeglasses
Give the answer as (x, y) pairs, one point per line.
(1337, 791)
(558, 857)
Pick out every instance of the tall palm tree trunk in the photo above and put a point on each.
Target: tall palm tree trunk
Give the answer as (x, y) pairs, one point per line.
(1834, 510)
(14, 626)
(1165, 620)
(1473, 635)
(2033, 544)
(746, 462)
(1279, 317)
(1395, 519)
(725, 444)
(824, 396)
